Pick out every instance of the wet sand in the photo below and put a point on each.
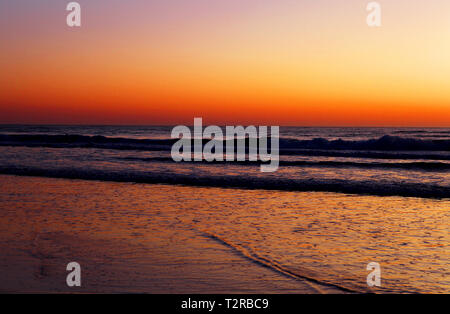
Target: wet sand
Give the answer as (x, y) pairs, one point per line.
(47, 223)
(148, 238)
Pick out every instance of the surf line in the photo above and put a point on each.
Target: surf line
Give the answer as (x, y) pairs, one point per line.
(213, 150)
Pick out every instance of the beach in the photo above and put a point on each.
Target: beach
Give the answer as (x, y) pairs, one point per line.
(225, 147)
(113, 200)
(152, 238)
(126, 240)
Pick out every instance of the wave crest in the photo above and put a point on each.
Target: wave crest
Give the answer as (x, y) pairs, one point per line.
(384, 143)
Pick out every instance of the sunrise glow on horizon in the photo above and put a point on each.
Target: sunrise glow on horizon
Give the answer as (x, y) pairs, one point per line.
(284, 62)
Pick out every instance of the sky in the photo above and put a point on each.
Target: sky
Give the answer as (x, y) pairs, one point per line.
(271, 62)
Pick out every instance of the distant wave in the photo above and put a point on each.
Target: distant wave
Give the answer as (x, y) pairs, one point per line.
(369, 154)
(381, 188)
(384, 143)
(84, 141)
(427, 166)
(437, 131)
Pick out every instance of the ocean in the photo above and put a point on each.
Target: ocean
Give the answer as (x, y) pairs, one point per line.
(113, 198)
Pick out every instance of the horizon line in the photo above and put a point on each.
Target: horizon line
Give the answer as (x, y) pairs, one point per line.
(241, 124)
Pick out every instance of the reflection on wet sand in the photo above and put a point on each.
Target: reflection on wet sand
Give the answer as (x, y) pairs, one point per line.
(160, 238)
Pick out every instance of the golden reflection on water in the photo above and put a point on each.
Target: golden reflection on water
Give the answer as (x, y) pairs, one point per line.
(160, 233)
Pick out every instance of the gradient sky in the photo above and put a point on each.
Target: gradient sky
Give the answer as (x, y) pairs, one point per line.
(277, 62)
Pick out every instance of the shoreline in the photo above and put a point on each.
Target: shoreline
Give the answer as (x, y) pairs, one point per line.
(155, 238)
(357, 188)
(35, 252)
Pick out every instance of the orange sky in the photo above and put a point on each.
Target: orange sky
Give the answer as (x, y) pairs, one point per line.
(254, 62)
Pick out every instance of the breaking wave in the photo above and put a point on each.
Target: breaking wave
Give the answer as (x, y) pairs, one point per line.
(380, 188)
(418, 165)
(384, 143)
